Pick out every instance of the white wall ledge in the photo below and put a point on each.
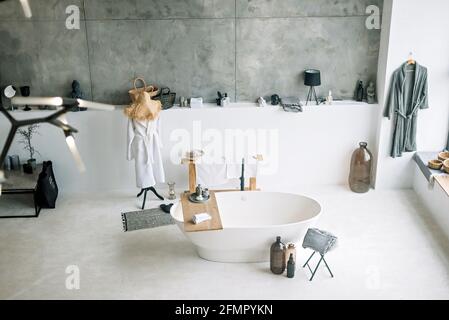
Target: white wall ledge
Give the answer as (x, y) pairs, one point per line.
(337, 105)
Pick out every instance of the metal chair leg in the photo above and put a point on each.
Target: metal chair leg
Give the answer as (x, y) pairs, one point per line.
(308, 259)
(313, 274)
(140, 193)
(328, 267)
(155, 193)
(144, 199)
(316, 268)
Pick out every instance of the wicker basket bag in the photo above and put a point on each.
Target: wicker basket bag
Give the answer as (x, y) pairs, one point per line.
(142, 107)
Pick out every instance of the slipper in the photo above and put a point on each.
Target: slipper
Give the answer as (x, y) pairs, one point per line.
(166, 207)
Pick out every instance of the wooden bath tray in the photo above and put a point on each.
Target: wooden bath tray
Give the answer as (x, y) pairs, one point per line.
(189, 209)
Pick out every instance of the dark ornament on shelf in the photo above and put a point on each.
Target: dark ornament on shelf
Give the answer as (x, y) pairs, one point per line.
(25, 92)
(275, 100)
(77, 93)
(371, 93)
(360, 92)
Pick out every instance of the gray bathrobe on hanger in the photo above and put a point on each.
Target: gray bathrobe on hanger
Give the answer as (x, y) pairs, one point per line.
(408, 94)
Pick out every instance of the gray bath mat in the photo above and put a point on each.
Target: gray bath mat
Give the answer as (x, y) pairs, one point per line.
(146, 219)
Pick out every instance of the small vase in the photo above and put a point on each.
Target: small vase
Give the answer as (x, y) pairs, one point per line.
(171, 191)
(277, 257)
(27, 168)
(32, 163)
(361, 167)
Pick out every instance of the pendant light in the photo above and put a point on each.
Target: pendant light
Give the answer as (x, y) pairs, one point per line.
(26, 8)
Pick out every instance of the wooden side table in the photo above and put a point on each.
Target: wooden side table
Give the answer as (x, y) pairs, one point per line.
(18, 182)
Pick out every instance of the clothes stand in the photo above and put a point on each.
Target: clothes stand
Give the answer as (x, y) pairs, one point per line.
(145, 191)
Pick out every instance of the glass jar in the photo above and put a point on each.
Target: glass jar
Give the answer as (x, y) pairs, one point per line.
(361, 168)
(277, 257)
(171, 191)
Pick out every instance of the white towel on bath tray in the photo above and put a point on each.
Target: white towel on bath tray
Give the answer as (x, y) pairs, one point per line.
(201, 217)
(211, 175)
(234, 171)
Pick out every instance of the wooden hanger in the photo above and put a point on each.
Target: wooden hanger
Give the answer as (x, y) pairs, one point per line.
(410, 60)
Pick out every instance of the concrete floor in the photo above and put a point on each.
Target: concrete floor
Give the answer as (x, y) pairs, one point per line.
(389, 248)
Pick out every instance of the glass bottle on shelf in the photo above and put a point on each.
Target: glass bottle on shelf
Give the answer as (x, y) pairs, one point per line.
(277, 257)
(361, 167)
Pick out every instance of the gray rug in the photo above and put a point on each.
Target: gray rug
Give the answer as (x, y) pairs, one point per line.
(151, 218)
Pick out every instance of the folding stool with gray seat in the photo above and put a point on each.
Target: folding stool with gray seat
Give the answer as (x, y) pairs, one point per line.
(319, 241)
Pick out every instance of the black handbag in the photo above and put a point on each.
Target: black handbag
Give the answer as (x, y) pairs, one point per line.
(47, 188)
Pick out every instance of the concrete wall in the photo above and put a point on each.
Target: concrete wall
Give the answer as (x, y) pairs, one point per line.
(247, 48)
(420, 27)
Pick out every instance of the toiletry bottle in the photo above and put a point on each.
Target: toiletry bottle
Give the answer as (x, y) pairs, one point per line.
(291, 249)
(329, 98)
(277, 257)
(291, 267)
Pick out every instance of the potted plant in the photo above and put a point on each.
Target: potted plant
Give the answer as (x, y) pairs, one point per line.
(26, 138)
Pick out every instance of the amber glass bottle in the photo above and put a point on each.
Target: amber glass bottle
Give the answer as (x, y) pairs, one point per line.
(277, 257)
(361, 165)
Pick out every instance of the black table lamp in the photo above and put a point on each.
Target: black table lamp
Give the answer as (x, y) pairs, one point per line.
(312, 79)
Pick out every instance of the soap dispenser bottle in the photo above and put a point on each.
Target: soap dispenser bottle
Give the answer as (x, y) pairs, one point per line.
(277, 257)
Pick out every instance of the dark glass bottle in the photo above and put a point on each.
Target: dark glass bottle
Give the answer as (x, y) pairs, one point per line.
(291, 267)
(360, 91)
(277, 257)
(361, 165)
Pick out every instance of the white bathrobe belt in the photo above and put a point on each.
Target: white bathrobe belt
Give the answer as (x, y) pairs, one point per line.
(149, 141)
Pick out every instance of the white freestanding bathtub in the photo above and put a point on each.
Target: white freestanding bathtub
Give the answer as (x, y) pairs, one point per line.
(251, 221)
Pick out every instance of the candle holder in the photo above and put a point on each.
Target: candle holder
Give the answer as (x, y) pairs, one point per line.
(171, 191)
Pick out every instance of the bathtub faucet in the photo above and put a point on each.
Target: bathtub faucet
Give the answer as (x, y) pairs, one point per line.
(242, 177)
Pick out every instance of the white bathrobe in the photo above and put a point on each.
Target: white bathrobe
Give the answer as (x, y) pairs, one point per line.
(144, 146)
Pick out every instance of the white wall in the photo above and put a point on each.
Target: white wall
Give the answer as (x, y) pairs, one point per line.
(314, 147)
(421, 27)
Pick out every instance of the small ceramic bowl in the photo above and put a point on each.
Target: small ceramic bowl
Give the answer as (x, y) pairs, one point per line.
(446, 166)
(443, 156)
(435, 164)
